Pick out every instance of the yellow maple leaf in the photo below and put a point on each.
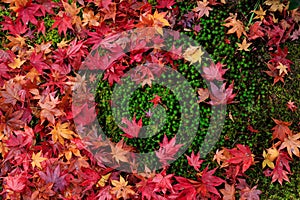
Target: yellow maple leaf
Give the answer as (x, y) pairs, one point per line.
(244, 46)
(193, 54)
(121, 189)
(282, 69)
(102, 181)
(37, 160)
(17, 63)
(269, 156)
(260, 14)
(236, 25)
(275, 5)
(61, 132)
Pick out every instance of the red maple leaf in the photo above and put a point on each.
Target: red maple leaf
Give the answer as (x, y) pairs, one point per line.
(281, 170)
(280, 57)
(37, 60)
(63, 23)
(255, 31)
(281, 130)
(214, 72)
(165, 4)
(194, 160)
(133, 128)
(204, 188)
(163, 182)
(167, 150)
(156, 100)
(16, 183)
(114, 73)
(221, 95)
(242, 156)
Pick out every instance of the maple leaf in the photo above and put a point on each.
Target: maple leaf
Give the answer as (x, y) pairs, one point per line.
(156, 100)
(214, 72)
(16, 183)
(163, 182)
(165, 4)
(114, 73)
(119, 153)
(222, 156)
(282, 69)
(274, 73)
(255, 31)
(89, 18)
(63, 23)
(244, 46)
(167, 150)
(275, 5)
(281, 130)
(49, 110)
(202, 9)
(247, 193)
(142, 74)
(103, 180)
(221, 95)
(61, 131)
(280, 57)
(16, 42)
(269, 157)
(193, 54)
(37, 159)
(54, 176)
(17, 63)
(133, 128)
(292, 143)
(121, 189)
(228, 192)
(236, 25)
(281, 170)
(260, 14)
(194, 160)
(242, 155)
(203, 94)
(291, 105)
(157, 20)
(44, 192)
(209, 182)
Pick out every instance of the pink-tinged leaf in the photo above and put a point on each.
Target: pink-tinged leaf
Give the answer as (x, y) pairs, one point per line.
(165, 4)
(15, 183)
(163, 182)
(167, 150)
(84, 115)
(291, 105)
(247, 193)
(221, 95)
(63, 23)
(194, 160)
(241, 156)
(214, 72)
(133, 128)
